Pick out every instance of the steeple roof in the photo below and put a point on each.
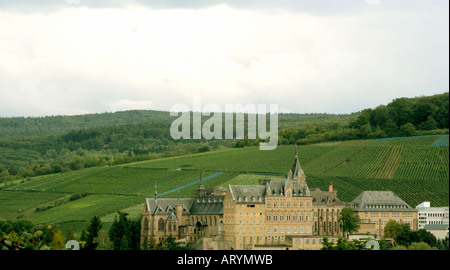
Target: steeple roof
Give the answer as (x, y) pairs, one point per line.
(296, 170)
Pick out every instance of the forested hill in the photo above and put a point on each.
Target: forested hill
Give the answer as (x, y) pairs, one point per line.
(39, 146)
(28, 126)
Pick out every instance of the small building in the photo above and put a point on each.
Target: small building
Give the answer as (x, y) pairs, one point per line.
(188, 220)
(438, 230)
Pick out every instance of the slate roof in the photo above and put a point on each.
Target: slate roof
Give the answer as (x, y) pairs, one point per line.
(296, 171)
(248, 193)
(172, 216)
(163, 206)
(277, 186)
(382, 201)
(204, 205)
(208, 205)
(321, 197)
(435, 227)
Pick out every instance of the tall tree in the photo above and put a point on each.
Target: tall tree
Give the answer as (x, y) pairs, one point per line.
(392, 229)
(92, 232)
(349, 220)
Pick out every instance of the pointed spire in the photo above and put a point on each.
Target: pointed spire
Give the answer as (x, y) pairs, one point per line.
(201, 188)
(156, 191)
(296, 170)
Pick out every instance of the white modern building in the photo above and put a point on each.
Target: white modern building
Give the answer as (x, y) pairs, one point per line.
(432, 215)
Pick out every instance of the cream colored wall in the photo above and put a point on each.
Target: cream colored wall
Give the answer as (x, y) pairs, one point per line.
(382, 218)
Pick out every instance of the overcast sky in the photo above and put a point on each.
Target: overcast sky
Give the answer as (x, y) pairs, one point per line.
(58, 57)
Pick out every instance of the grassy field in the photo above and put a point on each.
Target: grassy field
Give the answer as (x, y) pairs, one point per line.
(416, 169)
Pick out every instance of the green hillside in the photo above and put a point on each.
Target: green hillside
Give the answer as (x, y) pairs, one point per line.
(414, 168)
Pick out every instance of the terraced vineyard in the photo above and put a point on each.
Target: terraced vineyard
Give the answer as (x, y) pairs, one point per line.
(416, 169)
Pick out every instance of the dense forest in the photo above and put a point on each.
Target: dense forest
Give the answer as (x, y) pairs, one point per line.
(403, 117)
(38, 146)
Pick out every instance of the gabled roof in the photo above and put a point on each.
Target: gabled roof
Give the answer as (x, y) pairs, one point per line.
(172, 216)
(163, 206)
(380, 201)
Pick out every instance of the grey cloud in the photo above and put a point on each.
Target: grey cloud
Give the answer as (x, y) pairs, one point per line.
(316, 7)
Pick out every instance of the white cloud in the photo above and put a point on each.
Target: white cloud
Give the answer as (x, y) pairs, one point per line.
(77, 60)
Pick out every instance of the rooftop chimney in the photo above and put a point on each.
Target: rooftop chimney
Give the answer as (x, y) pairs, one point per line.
(330, 189)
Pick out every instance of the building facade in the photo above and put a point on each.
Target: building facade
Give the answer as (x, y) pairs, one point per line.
(271, 214)
(377, 208)
(187, 219)
(280, 213)
(432, 215)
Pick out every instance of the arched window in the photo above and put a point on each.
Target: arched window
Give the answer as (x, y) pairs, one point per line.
(145, 224)
(220, 227)
(161, 224)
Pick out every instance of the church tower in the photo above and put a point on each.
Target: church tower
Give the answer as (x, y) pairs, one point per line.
(296, 172)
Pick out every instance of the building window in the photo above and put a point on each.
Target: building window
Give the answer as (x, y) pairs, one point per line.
(295, 229)
(161, 224)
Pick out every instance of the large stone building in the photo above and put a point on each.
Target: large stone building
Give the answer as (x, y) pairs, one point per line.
(278, 212)
(376, 208)
(281, 213)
